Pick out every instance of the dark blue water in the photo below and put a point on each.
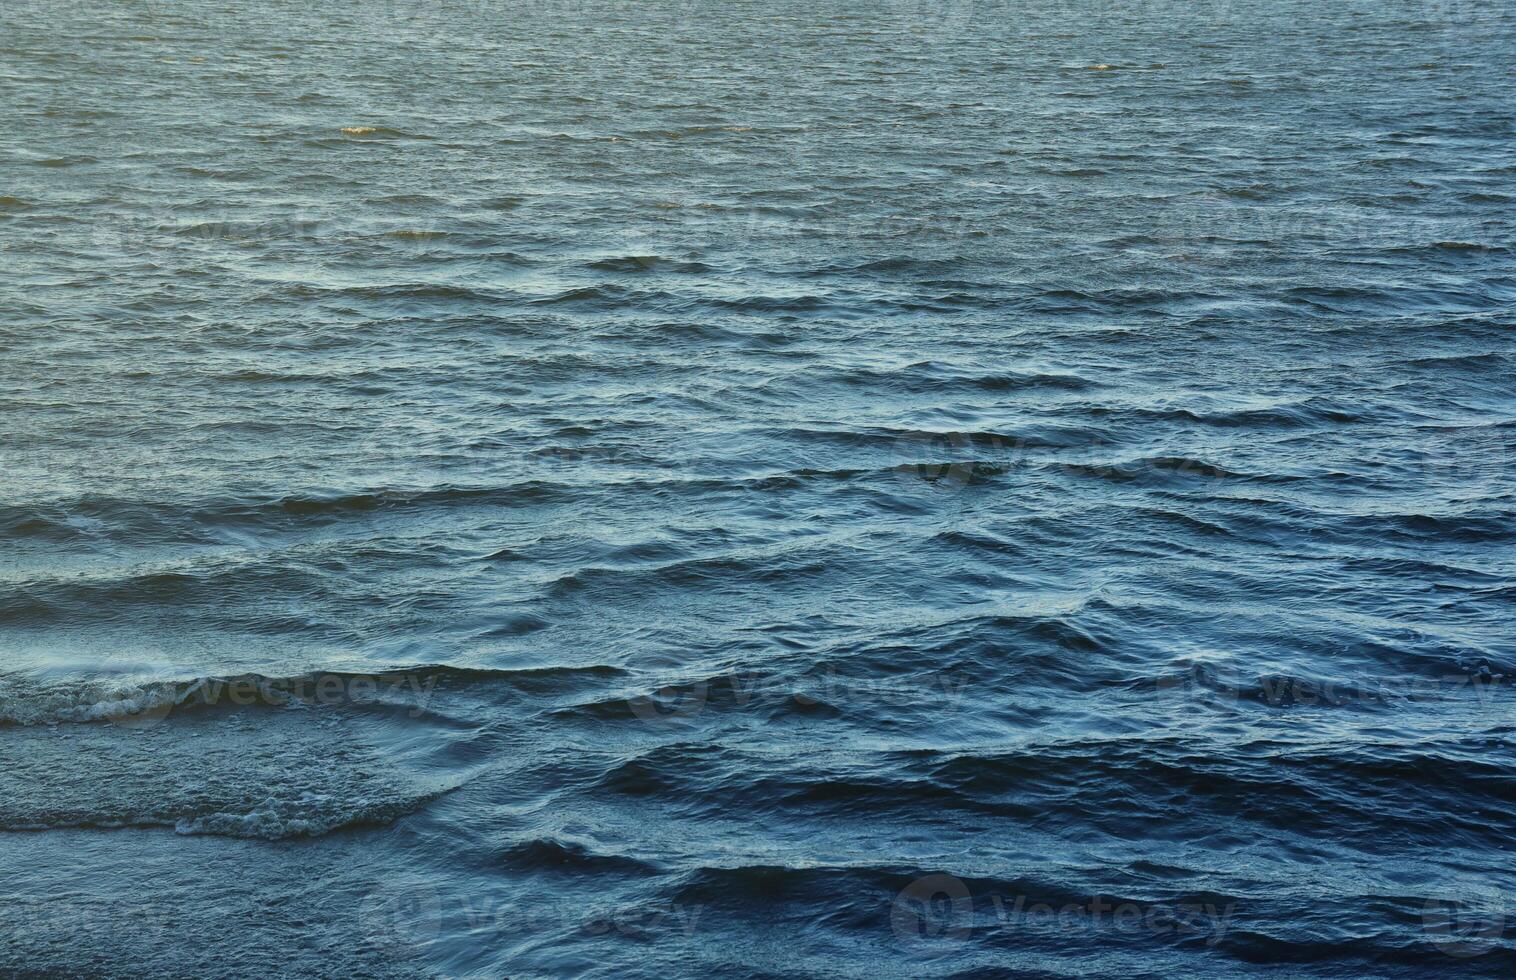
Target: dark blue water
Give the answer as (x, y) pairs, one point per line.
(771, 489)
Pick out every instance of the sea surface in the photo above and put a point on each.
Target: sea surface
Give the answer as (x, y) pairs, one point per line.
(720, 488)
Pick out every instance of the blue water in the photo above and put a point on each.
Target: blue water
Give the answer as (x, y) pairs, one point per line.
(726, 488)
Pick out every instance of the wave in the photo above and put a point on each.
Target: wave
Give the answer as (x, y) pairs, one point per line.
(59, 163)
(647, 263)
(431, 291)
(918, 441)
(925, 377)
(1154, 468)
(1309, 412)
(723, 885)
(1478, 684)
(571, 857)
(380, 132)
(1484, 361)
(612, 295)
(418, 234)
(305, 816)
(1484, 527)
(1273, 784)
(1450, 246)
(92, 513)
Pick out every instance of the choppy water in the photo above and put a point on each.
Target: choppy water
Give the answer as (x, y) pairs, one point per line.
(705, 488)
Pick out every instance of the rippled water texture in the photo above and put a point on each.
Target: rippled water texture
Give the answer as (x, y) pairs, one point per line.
(698, 488)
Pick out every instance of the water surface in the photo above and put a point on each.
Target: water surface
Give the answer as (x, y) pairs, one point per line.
(771, 489)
